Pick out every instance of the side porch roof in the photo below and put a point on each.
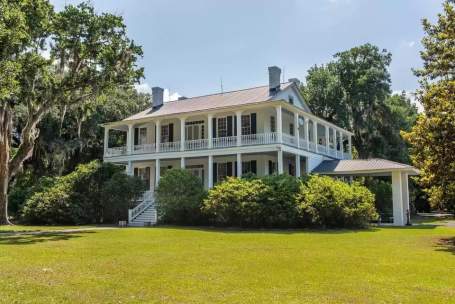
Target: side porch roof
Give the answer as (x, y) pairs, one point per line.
(359, 167)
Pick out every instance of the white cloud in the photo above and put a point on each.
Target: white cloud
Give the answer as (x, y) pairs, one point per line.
(143, 88)
(167, 94)
(412, 97)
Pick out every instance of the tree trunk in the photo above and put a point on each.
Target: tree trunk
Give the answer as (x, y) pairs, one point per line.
(5, 138)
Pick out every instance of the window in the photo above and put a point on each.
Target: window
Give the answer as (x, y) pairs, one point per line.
(221, 172)
(194, 130)
(222, 127)
(272, 124)
(246, 124)
(291, 129)
(143, 174)
(291, 99)
(165, 133)
(197, 170)
(142, 136)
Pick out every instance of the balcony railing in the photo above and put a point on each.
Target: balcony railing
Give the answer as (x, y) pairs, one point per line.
(230, 141)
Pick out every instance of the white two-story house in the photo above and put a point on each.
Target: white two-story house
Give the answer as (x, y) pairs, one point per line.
(262, 130)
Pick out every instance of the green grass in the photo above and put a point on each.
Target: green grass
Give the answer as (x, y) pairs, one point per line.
(183, 265)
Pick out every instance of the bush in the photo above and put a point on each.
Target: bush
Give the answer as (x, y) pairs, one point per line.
(326, 202)
(179, 196)
(278, 207)
(235, 202)
(382, 191)
(78, 198)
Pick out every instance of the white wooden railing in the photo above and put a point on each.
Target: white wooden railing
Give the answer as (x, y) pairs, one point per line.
(231, 141)
(172, 146)
(146, 201)
(198, 144)
(259, 139)
(115, 151)
(146, 148)
(224, 142)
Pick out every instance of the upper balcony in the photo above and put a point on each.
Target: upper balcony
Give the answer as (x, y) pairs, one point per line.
(259, 126)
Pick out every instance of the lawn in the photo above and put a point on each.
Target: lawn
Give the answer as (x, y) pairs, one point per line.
(184, 265)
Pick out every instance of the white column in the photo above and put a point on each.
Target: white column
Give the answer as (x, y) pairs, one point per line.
(239, 127)
(106, 139)
(279, 124)
(280, 162)
(297, 165)
(327, 138)
(315, 135)
(182, 133)
(307, 133)
(210, 173)
(157, 172)
(335, 140)
(158, 135)
(350, 145)
(130, 139)
(397, 198)
(296, 129)
(209, 131)
(405, 194)
(239, 164)
(129, 168)
(182, 163)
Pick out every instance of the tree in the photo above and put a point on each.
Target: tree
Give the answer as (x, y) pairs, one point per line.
(90, 54)
(433, 136)
(353, 91)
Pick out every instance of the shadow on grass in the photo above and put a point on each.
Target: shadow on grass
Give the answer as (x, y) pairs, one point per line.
(446, 244)
(39, 237)
(233, 230)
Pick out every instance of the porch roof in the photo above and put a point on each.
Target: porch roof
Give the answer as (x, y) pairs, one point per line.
(374, 167)
(209, 102)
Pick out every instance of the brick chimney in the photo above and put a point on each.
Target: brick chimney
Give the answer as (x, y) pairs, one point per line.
(274, 79)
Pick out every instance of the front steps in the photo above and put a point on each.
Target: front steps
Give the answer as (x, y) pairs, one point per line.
(143, 214)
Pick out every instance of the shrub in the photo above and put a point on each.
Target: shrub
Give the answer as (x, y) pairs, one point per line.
(278, 209)
(78, 198)
(382, 191)
(326, 202)
(179, 196)
(236, 202)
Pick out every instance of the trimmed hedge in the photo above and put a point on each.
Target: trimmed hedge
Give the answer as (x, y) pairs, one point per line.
(93, 193)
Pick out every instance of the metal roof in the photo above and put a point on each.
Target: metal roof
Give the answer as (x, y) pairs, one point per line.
(209, 102)
(374, 166)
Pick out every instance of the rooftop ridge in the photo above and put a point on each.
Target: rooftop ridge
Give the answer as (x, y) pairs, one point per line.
(222, 93)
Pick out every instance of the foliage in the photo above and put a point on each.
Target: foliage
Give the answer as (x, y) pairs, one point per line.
(278, 207)
(285, 201)
(433, 136)
(236, 202)
(326, 202)
(24, 187)
(179, 196)
(81, 197)
(382, 191)
(90, 55)
(353, 91)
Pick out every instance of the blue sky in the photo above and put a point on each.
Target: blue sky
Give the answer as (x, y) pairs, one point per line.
(189, 45)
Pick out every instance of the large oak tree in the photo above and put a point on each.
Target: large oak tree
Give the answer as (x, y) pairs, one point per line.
(90, 54)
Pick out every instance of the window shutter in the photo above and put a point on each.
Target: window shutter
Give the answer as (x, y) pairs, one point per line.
(253, 123)
(270, 167)
(136, 136)
(155, 134)
(235, 126)
(254, 167)
(215, 172)
(229, 169)
(235, 168)
(214, 127)
(171, 132)
(229, 126)
(136, 171)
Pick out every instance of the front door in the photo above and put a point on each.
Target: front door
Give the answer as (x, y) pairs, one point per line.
(197, 171)
(143, 174)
